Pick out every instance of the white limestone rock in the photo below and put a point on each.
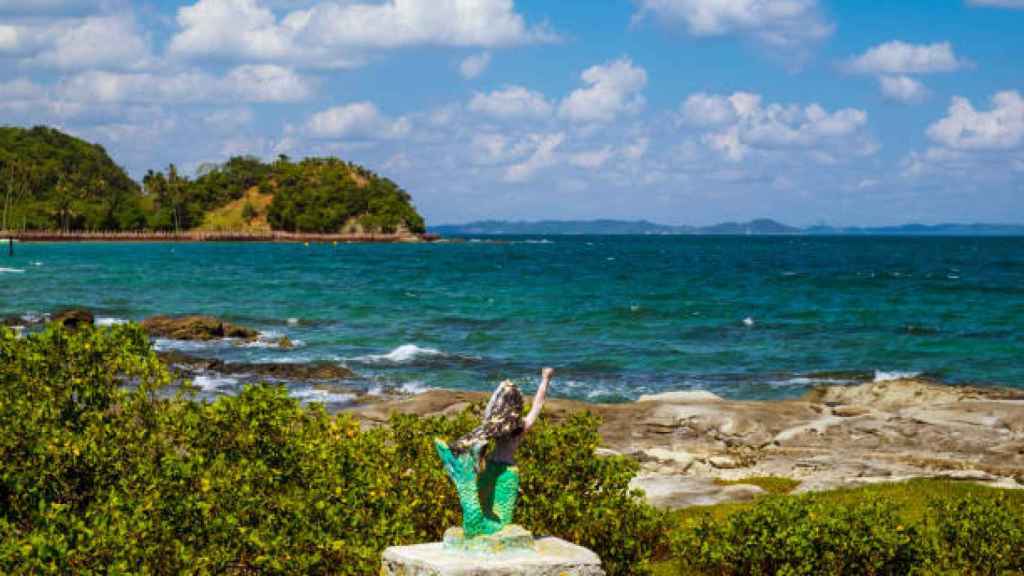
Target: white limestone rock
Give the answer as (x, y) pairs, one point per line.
(549, 557)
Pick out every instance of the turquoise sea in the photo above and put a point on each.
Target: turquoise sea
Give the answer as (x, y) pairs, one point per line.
(745, 317)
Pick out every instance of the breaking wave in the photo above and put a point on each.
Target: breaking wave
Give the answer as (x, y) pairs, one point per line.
(883, 376)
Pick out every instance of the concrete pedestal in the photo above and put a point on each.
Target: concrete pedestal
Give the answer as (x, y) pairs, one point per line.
(548, 557)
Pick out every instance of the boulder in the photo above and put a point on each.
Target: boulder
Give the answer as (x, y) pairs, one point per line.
(682, 397)
(73, 318)
(200, 328)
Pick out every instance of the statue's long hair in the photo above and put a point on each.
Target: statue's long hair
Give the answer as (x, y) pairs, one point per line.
(502, 418)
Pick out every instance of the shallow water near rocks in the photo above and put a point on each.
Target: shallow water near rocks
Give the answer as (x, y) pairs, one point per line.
(744, 317)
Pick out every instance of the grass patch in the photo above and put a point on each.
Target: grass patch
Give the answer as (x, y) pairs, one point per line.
(770, 484)
(247, 214)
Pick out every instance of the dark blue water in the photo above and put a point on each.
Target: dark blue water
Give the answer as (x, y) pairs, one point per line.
(619, 316)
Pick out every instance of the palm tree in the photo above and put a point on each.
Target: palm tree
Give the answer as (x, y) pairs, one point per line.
(175, 191)
(64, 197)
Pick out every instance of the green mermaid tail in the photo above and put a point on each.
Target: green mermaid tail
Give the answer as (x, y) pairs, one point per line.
(462, 470)
(499, 489)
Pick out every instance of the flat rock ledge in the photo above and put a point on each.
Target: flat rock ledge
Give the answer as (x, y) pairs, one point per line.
(549, 557)
(687, 443)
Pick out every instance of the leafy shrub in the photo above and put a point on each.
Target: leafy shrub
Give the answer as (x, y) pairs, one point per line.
(103, 471)
(980, 535)
(802, 535)
(568, 492)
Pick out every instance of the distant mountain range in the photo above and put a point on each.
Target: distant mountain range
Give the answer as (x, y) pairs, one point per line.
(759, 227)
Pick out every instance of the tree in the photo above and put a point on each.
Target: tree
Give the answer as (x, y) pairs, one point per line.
(64, 198)
(176, 190)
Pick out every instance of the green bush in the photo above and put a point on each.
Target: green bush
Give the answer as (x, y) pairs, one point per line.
(802, 535)
(102, 470)
(980, 535)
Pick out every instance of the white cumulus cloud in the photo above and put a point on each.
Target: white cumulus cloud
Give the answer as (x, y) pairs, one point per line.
(902, 88)
(359, 120)
(776, 22)
(473, 66)
(965, 128)
(741, 122)
(108, 41)
(591, 159)
(268, 83)
(611, 89)
(895, 63)
(338, 33)
(545, 148)
(898, 57)
(511, 102)
(249, 83)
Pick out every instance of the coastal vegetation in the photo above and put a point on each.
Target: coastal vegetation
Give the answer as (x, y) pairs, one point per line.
(54, 181)
(103, 470)
(929, 527)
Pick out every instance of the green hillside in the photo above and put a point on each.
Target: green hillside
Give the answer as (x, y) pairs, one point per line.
(52, 181)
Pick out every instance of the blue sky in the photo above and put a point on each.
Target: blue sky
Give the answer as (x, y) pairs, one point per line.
(677, 111)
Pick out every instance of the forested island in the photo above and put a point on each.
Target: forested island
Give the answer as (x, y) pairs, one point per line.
(52, 181)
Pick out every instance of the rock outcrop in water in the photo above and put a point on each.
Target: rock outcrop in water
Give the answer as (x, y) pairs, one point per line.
(201, 328)
(284, 371)
(834, 437)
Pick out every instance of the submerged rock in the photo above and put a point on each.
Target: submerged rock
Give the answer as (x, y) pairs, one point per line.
(195, 327)
(314, 371)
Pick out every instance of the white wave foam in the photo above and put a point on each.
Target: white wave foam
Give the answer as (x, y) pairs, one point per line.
(109, 321)
(33, 318)
(404, 354)
(748, 321)
(166, 344)
(883, 376)
(293, 321)
(12, 270)
(269, 339)
(415, 387)
(212, 383)
(317, 395)
(543, 241)
(37, 263)
(807, 381)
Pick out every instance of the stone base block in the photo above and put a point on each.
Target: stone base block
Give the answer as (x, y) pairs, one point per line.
(510, 538)
(547, 557)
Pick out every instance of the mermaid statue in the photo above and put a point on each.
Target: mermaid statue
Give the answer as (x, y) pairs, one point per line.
(488, 482)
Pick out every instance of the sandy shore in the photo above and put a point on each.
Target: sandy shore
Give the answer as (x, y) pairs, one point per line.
(833, 437)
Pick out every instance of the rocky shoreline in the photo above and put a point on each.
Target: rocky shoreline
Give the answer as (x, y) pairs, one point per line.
(694, 447)
(841, 436)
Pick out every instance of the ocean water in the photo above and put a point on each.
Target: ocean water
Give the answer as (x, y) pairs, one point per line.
(744, 317)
